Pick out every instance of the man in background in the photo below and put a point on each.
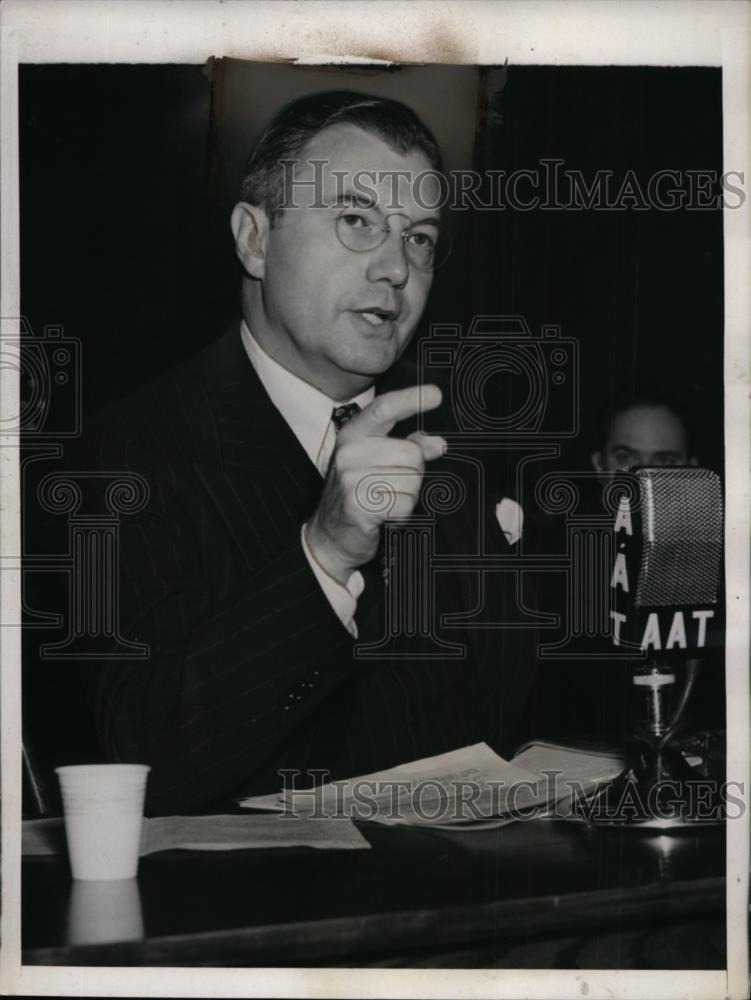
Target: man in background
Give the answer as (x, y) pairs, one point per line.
(642, 429)
(595, 699)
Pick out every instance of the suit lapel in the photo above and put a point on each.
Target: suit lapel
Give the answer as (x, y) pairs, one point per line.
(250, 462)
(255, 471)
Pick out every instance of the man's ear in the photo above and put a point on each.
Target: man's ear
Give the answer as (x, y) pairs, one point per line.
(596, 459)
(250, 227)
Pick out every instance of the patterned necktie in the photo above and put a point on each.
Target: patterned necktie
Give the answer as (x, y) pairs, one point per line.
(341, 414)
(339, 418)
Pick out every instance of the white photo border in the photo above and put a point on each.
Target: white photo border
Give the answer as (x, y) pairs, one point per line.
(573, 32)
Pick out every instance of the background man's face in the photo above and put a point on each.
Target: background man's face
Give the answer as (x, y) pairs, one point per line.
(317, 294)
(643, 435)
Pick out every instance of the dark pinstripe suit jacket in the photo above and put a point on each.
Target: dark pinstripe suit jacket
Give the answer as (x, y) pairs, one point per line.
(250, 670)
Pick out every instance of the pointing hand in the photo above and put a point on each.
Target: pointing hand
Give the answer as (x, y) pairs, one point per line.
(371, 478)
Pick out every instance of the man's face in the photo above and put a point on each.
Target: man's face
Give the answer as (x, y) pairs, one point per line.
(644, 435)
(336, 317)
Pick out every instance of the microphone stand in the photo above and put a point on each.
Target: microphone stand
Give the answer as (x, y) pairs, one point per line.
(658, 789)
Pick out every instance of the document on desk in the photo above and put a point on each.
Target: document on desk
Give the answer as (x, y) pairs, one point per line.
(212, 833)
(231, 833)
(472, 787)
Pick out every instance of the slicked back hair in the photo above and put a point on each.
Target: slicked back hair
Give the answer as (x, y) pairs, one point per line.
(651, 397)
(290, 130)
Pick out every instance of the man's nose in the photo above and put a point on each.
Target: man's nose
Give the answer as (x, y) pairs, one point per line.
(388, 262)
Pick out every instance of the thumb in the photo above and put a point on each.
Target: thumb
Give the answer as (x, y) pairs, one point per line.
(387, 409)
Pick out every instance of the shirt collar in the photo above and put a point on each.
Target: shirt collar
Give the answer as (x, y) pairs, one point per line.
(306, 409)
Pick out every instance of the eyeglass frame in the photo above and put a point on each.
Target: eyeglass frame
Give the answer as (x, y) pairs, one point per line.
(386, 230)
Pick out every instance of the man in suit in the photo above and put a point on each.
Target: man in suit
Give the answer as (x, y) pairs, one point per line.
(254, 570)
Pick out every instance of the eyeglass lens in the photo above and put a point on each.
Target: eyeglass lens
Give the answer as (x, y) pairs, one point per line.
(425, 243)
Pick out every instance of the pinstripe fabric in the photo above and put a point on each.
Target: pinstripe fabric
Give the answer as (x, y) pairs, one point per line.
(250, 669)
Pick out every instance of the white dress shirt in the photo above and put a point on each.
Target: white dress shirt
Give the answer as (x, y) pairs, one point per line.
(308, 413)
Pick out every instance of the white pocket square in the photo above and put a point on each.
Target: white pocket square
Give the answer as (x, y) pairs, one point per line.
(510, 517)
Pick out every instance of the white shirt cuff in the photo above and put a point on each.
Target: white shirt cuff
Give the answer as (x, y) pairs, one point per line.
(343, 599)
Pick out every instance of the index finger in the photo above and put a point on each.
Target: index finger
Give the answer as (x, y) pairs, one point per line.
(379, 417)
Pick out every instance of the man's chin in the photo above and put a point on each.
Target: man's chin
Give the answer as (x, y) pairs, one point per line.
(374, 361)
(374, 369)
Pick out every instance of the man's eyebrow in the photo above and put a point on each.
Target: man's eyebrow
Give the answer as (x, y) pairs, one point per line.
(354, 199)
(427, 220)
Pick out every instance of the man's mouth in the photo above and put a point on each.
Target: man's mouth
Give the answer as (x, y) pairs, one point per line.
(376, 317)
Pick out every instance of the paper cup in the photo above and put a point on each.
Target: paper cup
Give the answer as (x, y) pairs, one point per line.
(103, 806)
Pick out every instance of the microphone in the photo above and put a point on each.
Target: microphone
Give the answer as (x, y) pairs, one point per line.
(665, 580)
(664, 585)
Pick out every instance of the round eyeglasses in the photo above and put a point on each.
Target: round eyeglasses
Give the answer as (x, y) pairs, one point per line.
(427, 244)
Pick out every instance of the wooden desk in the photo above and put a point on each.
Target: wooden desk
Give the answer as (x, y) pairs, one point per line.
(537, 894)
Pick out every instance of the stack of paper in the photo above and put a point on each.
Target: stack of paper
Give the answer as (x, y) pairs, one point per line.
(470, 787)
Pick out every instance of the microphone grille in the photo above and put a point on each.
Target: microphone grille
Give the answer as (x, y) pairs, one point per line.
(681, 535)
